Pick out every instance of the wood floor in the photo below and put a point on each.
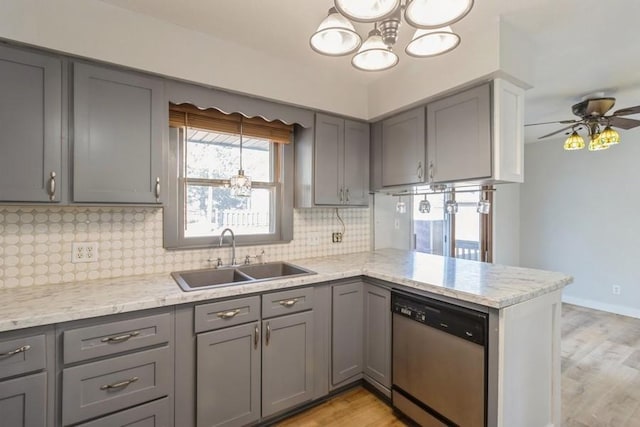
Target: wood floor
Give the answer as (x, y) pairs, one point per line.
(600, 379)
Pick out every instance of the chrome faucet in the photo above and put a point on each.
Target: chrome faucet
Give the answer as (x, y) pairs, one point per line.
(233, 244)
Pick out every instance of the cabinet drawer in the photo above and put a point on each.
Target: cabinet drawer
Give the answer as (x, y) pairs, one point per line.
(115, 337)
(22, 355)
(153, 414)
(285, 302)
(221, 314)
(99, 388)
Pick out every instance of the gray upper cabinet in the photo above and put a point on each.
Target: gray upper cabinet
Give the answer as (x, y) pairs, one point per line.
(459, 136)
(403, 148)
(31, 123)
(228, 376)
(346, 351)
(118, 121)
(332, 163)
(377, 334)
(287, 362)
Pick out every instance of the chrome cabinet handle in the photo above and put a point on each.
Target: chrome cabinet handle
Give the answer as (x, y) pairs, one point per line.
(341, 194)
(268, 334)
(347, 192)
(157, 189)
(419, 171)
(256, 336)
(120, 338)
(228, 314)
(52, 186)
(431, 170)
(16, 351)
(289, 302)
(119, 384)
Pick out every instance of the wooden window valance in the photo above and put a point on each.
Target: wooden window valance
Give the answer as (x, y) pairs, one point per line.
(188, 115)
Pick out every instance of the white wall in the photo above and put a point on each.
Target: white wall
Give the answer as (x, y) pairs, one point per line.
(579, 215)
(506, 224)
(385, 219)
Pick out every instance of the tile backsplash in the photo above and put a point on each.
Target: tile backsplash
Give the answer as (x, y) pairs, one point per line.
(36, 242)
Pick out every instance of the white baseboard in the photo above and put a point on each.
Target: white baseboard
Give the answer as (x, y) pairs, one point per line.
(596, 305)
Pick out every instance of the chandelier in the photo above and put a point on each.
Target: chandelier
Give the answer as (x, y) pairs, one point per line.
(336, 35)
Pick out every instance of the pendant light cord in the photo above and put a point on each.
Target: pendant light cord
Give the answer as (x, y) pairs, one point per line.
(241, 129)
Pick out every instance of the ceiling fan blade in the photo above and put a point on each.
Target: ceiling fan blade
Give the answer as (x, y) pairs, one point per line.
(627, 111)
(562, 122)
(623, 123)
(556, 132)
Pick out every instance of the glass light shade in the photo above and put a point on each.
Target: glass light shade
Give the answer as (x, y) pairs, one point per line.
(335, 36)
(240, 185)
(451, 207)
(427, 43)
(424, 206)
(367, 10)
(432, 14)
(484, 207)
(609, 136)
(401, 207)
(374, 55)
(596, 143)
(574, 142)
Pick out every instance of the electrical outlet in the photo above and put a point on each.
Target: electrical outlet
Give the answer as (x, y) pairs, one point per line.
(336, 237)
(84, 252)
(616, 290)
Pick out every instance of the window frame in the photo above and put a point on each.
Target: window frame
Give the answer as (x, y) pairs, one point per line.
(174, 211)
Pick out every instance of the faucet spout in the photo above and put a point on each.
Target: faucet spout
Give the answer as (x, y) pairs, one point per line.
(233, 244)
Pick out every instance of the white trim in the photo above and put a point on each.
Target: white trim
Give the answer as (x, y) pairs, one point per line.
(611, 308)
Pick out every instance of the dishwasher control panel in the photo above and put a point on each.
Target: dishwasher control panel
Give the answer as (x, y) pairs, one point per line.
(459, 321)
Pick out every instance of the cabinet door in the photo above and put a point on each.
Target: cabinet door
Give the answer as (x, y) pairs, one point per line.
(119, 119)
(23, 401)
(459, 136)
(377, 334)
(30, 119)
(287, 362)
(356, 163)
(228, 376)
(346, 352)
(403, 148)
(328, 160)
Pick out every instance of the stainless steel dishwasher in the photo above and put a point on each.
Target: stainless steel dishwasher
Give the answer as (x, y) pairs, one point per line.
(439, 362)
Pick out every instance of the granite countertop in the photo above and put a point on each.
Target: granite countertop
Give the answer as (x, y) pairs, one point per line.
(489, 285)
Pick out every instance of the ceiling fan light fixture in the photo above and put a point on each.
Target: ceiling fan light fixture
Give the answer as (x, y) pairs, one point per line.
(426, 43)
(609, 136)
(596, 143)
(335, 36)
(574, 142)
(367, 10)
(432, 14)
(374, 55)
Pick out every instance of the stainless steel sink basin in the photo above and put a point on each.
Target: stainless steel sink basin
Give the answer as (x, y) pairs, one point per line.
(194, 280)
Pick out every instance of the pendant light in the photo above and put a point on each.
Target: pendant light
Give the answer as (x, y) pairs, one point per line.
(596, 143)
(430, 14)
(427, 43)
(609, 136)
(367, 10)
(451, 207)
(424, 206)
(335, 36)
(574, 142)
(240, 184)
(401, 207)
(374, 54)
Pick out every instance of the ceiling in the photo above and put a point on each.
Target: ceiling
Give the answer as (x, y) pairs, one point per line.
(580, 46)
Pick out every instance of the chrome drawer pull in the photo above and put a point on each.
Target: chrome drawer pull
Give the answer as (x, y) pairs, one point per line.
(120, 384)
(228, 314)
(289, 303)
(16, 351)
(120, 338)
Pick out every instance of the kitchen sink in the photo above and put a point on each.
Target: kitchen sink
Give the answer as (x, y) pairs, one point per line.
(194, 280)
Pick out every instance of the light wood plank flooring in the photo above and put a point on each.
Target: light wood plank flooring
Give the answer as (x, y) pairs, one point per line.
(600, 379)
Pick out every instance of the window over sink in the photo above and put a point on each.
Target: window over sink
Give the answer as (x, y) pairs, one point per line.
(204, 149)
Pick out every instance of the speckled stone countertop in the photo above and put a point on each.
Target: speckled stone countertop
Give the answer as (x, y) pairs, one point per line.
(489, 285)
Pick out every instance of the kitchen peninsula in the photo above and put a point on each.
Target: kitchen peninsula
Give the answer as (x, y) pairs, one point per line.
(522, 307)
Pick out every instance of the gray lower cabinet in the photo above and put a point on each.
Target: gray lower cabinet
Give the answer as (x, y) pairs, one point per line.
(459, 136)
(287, 362)
(228, 376)
(153, 414)
(118, 124)
(23, 401)
(346, 349)
(377, 335)
(403, 148)
(31, 123)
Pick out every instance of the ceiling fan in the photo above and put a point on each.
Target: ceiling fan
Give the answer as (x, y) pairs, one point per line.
(591, 112)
